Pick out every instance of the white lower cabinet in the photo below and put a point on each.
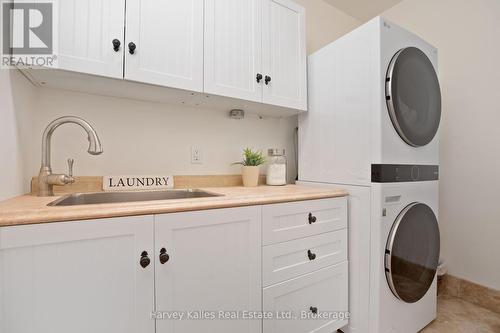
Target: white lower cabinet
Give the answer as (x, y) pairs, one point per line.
(286, 260)
(77, 277)
(321, 293)
(185, 272)
(295, 220)
(305, 267)
(214, 265)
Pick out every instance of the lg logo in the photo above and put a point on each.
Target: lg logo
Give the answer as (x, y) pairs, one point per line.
(27, 28)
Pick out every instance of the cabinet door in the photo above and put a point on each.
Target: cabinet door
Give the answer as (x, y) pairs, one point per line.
(168, 36)
(284, 54)
(77, 277)
(214, 265)
(233, 50)
(86, 31)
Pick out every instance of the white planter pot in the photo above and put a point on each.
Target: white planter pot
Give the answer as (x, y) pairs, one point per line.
(250, 175)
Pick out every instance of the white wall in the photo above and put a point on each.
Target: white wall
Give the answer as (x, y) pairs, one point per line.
(467, 36)
(325, 23)
(16, 97)
(151, 138)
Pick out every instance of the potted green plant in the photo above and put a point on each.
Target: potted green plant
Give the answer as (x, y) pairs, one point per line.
(251, 167)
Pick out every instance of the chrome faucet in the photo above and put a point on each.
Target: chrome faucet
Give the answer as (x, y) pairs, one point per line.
(46, 179)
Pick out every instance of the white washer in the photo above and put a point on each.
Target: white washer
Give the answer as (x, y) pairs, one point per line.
(397, 300)
(374, 100)
(405, 251)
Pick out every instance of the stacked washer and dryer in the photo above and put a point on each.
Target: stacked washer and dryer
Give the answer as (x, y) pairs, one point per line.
(372, 125)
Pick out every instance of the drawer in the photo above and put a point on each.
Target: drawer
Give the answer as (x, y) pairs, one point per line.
(284, 261)
(326, 290)
(284, 222)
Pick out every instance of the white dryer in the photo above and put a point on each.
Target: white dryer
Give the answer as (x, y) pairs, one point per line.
(374, 100)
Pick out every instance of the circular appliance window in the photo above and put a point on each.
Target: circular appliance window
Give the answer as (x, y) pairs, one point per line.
(412, 252)
(413, 96)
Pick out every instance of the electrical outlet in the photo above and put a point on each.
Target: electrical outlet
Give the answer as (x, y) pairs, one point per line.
(196, 155)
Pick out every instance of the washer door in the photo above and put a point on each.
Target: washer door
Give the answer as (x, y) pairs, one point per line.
(412, 252)
(413, 96)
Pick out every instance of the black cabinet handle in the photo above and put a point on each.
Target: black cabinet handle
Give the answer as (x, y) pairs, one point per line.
(145, 261)
(311, 255)
(313, 309)
(259, 78)
(311, 218)
(267, 79)
(116, 45)
(131, 47)
(164, 257)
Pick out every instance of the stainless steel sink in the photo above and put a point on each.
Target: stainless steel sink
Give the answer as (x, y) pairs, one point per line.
(117, 197)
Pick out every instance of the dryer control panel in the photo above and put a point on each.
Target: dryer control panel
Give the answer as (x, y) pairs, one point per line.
(398, 173)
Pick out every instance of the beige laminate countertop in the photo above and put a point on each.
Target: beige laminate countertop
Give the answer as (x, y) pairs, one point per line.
(28, 209)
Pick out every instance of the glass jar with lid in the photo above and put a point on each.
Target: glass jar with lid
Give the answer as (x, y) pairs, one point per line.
(276, 168)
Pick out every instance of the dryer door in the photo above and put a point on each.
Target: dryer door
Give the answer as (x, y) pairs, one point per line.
(413, 96)
(412, 252)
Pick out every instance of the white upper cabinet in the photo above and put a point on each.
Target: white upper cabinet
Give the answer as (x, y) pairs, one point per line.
(248, 54)
(91, 36)
(233, 48)
(214, 264)
(77, 277)
(247, 38)
(168, 40)
(284, 54)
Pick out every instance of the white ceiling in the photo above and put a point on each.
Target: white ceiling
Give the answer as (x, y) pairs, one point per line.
(363, 9)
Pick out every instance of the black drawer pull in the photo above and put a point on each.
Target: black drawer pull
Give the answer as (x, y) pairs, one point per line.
(311, 255)
(312, 218)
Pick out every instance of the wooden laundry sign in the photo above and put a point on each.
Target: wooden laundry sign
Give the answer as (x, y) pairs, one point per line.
(137, 183)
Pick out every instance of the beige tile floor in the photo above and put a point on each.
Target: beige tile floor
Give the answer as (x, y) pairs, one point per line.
(458, 316)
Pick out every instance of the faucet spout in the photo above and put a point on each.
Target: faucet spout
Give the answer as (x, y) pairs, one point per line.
(47, 180)
(95, 147)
